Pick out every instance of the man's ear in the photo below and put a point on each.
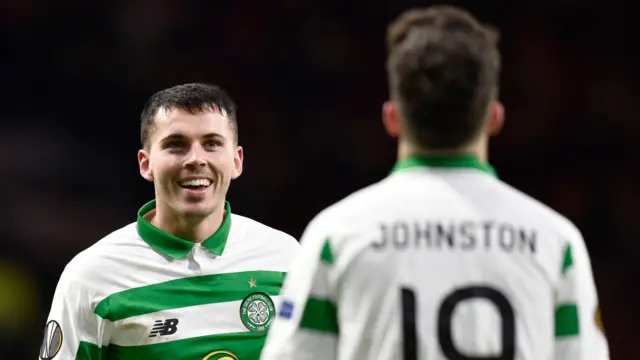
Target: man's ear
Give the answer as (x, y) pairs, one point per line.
(238, 162)
(146, 169)
(496, 118)
(391, 119)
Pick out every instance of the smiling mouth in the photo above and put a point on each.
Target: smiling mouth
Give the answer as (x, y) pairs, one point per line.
(195, 184)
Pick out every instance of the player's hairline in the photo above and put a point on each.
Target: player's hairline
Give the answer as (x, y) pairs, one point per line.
(214, 108)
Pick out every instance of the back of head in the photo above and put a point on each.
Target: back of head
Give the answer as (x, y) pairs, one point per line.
(443, 68)
(193, 98)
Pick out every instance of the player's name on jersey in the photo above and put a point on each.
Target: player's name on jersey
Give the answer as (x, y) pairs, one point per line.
(463, 235)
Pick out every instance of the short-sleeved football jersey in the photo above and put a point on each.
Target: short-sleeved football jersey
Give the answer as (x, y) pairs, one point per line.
(141, 293)
(442, 261)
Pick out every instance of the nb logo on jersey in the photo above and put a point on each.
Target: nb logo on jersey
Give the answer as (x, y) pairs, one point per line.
(162, 328)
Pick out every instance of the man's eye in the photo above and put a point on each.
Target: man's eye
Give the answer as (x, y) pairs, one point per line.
(175, 145)
(212, 143)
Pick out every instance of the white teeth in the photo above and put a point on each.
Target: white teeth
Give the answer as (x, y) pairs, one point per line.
(196, 182)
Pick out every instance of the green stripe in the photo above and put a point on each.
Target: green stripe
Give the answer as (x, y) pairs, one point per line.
(191, 291)
(89, 351)
(326, 255)
(567, 323)
(462, 161)
(320, 315)
(567, 262)
(245, 346)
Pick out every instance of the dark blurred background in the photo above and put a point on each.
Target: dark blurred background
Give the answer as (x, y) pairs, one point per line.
(308, 77)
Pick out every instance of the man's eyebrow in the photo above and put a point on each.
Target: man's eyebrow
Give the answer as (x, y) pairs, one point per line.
(174, 136)
(214, 134)
(178, 136)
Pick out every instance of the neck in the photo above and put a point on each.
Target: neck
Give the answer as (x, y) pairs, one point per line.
(476, 149)
(195, 229)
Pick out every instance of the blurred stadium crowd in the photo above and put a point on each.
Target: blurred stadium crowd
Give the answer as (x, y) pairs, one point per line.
(309, 79)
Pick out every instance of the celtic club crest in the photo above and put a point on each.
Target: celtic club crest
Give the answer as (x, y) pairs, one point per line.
(257, 311)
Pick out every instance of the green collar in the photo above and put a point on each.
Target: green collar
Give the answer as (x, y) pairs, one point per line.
(174, 246)
(463, 161)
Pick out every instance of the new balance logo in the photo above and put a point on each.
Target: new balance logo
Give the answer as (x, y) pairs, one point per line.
(162, 328)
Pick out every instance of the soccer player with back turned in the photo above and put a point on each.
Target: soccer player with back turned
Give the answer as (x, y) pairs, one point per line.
(189, 279)
(441, 260)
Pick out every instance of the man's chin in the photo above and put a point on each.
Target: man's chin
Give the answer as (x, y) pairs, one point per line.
(198, 207)
(197, 211)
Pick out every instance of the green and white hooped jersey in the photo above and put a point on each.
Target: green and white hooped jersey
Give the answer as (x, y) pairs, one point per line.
(441, 261)
(141, 293)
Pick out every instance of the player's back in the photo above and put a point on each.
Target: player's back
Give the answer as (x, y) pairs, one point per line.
(480, 264)
(439, 261)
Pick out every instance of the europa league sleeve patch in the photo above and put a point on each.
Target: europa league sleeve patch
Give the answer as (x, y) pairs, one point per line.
(52, 341)
(597, 318)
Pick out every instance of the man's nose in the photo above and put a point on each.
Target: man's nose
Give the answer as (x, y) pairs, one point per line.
(196, 157)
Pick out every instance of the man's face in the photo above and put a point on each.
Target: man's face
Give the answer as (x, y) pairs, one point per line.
(191, 160)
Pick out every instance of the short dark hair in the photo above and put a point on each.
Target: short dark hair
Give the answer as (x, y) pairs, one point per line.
(443, 68)
(193, 98)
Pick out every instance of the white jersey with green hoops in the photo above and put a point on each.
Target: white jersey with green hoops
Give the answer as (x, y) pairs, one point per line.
(141, 293)
(441, 261)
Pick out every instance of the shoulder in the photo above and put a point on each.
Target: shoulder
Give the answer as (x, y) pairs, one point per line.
(253, 244)
(344, 229)
(94, 266)
(550, 218)
(352, 214)
(559, 237)
(242, 225)
(350, 210)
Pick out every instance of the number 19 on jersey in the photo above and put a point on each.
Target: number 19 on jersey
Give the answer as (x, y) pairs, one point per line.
(445, 318)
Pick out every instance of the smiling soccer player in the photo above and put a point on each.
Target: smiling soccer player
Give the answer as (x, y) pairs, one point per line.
(188, 279)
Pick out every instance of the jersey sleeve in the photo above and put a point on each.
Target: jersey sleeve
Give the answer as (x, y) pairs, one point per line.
(73, 331)
(579, 334)
(334, 300)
